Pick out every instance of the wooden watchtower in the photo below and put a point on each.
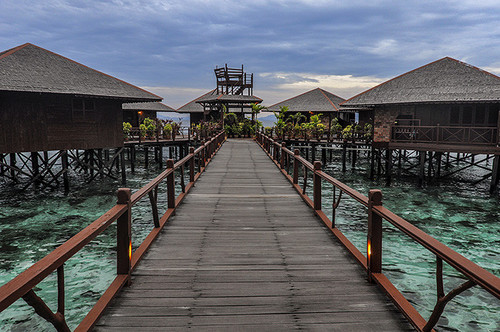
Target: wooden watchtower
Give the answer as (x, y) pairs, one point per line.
(234, 93)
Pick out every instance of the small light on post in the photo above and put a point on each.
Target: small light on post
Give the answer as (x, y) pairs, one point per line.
(130, 251)
(369, 250)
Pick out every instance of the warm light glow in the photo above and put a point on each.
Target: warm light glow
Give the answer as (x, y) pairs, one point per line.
(369, 249)
(130, 250)
(140, 112)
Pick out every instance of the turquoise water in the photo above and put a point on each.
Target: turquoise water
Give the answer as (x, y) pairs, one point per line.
(462, 216)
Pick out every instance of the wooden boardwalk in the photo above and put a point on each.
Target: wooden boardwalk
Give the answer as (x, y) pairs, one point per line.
(244, 252)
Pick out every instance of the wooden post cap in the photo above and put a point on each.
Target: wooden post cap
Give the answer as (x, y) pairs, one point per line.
(375, 196)
(296, 152)
(170, 163)
(191, 150)
(317, 165)
(123, 195)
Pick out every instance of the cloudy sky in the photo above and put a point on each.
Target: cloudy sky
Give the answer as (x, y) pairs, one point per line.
(172, 47)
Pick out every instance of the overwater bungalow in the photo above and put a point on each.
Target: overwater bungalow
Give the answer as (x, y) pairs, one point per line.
(195, 110)
(444, 106)
(135, 113)
(316, 101)
(51, 103)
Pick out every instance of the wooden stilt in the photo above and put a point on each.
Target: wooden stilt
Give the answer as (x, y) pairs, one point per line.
(122, 164)
(2, 169)
(132, 158)
(379, 163)
(146, 157)
(354, 157)
(399, 162)
(388, 166)
(323, 155)
(64, 163)
(12, 158)
(372, 164)
(422, 169)
(344, 155)
(160, 157)
(100, 162)
(495, 174)
(313, 152)
(438, 157)
(35, 167)
(429, 165)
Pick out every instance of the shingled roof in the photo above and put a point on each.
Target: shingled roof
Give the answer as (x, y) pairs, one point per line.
(316, 100)
(444, 80)
(148, 106)
(29, 68)
(192, 106)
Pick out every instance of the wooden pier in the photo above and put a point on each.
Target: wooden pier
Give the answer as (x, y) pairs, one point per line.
(245, 252)
(242, 246)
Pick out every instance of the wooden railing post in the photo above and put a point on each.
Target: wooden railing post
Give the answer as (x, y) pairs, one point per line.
(124, 234)
(191, 165)
(296, 153)
(202, 154)
(374, 243)
(170, 185)
(317, 186)
(282, 159)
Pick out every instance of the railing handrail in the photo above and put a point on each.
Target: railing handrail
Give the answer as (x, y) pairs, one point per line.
(471, 270)
(26, 280)
(29, 278)
(476, 274)
(447, 126)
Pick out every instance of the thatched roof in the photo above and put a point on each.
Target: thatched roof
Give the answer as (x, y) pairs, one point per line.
(29, 68)
(148, 106)
(316, 100)
(443, 81)
(192, 106)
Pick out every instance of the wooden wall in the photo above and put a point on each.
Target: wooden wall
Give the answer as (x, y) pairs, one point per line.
(45, 122)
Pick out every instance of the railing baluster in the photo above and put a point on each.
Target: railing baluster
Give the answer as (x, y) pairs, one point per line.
(60, 290)
(305, 180)
(124, 234)
(282, 159)
(170, 185)
(191, 164)
(183, 185)
(374, 245)
(296, 153)
(317, 186)
(153, 199)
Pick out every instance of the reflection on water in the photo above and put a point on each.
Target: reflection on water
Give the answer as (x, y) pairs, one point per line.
(462, 216)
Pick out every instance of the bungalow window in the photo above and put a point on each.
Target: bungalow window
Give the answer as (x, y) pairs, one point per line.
(83, 109)
(455, 115)
(467, 115)
(493, 115)
(480, 115)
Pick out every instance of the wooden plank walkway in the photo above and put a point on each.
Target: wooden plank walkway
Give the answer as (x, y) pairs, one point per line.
(244, 252)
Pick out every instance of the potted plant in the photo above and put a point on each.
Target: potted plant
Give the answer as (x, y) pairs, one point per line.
(336, 128)
(150, 127)
(175, 129)
(142, 130)
(126, 130)
(167, 131)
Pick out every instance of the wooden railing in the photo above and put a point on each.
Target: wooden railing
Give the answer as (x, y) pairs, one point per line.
(22, 285)
(445, 134)
(291, 163)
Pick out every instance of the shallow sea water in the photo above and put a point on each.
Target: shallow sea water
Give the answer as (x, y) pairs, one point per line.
(464, 217)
